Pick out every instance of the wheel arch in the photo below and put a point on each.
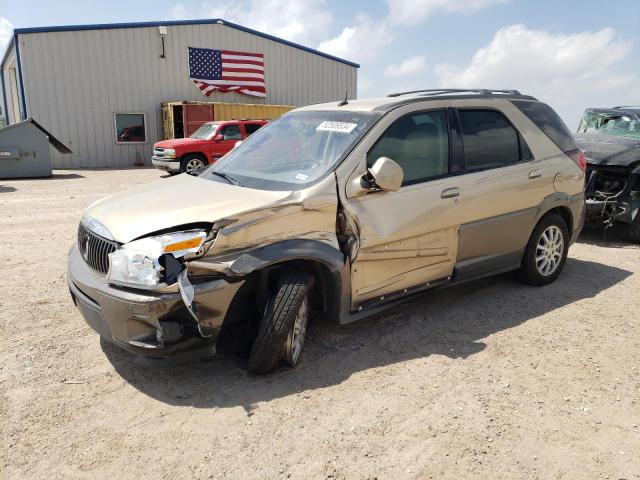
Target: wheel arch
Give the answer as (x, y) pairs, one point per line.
(568, 207)
(565, 213)
(323, 261)
(194, 154)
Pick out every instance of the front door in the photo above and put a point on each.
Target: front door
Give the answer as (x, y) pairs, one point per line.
(408, 238)
(225, 140)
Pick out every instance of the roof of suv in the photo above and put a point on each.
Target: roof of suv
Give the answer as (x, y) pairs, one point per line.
(394, 100)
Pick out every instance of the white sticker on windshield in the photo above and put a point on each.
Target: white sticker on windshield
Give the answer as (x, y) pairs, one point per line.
(342, 127)
(301, 176)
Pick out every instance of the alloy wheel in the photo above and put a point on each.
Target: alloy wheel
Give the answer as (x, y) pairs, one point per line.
(549, 250)
(194, 166)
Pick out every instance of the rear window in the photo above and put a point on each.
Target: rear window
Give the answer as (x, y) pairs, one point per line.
(252, 127)
(549, 122)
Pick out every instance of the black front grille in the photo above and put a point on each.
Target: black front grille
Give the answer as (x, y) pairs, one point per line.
(95, 250)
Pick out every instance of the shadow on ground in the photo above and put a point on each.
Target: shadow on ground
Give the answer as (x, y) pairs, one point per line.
(450, 322)
(6, 189)
(614, 237)
(55, 176)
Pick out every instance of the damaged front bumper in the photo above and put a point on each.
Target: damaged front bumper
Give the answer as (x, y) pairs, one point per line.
(617, 210)
(153, 324)
(612, 193)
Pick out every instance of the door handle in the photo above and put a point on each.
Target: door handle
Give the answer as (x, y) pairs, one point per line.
(535, 174)
(450, 192)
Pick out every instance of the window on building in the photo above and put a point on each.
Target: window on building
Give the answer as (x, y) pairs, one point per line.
(231, 132)
(252, 127)
(489, 139)
(130, 128)
(419, 143)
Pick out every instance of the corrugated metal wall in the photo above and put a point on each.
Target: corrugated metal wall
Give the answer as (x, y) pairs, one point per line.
(11, 88)
(75, 81)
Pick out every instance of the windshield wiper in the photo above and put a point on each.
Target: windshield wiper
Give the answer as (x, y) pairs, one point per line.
(228, 178)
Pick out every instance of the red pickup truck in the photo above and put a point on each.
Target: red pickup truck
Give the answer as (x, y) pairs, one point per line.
(206, 145)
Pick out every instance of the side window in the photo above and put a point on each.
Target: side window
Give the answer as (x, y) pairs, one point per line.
(419, 143)
(231, 132)
(489, 139)
(251, 128)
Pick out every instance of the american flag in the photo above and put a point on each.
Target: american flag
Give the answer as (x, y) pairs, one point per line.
(227, 71)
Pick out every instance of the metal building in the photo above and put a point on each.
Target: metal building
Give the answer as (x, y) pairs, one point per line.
(87, 84)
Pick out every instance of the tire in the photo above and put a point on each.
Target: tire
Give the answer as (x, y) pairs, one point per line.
(192, 164)
(535, 271)
(633, 230)
(272, 344)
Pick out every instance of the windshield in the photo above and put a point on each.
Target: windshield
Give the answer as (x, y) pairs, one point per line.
(610, 123)
(293, 152)
(205, 132)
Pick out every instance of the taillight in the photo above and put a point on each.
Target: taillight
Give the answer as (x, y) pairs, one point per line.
(578, 157)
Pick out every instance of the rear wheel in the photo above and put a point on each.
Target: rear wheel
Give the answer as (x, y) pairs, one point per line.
(633, 230)
(284, 324)
(546, 252)
(192, 164)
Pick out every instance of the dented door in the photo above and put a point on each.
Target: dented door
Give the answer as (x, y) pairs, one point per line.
(407, 238)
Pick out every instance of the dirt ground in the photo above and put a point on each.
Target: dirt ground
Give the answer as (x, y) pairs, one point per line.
(488, 380)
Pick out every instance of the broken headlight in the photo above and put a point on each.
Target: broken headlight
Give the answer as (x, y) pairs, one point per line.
(138, 263)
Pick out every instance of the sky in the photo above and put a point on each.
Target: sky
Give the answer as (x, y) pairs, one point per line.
(570, 54)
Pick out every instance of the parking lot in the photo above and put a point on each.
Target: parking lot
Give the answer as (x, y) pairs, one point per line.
(492, 379)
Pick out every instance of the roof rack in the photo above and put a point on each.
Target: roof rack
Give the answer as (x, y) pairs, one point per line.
(626, 106)
(441, 91)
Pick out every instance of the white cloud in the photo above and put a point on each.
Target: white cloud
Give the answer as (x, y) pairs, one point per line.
(413, 12)
(569, 71)
(6, 30)
(410, 66)
(364, 85)
(361, 41)
(305, 22)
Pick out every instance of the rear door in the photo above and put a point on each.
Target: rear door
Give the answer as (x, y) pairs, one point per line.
(501, 189)
(408, 238)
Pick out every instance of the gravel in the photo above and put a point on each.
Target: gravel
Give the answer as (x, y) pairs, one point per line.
(492, 379)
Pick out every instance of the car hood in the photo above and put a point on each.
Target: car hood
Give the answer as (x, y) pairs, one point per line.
(603, 149)
(179, 142)
(176, 201)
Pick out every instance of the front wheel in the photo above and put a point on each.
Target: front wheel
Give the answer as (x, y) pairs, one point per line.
(192, 164)
(546, 252)
(284, 324)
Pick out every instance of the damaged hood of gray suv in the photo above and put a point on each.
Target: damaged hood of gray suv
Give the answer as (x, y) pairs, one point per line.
(172, 202)
(601, 149)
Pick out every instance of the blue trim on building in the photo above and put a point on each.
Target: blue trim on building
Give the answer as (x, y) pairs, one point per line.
(4, 96)
(23, 110)
(168, 23)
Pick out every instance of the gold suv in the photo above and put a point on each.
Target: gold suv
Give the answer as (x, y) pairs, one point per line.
(339, 209)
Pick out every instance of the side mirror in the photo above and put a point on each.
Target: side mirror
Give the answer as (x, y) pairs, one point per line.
(219, 137)
(385, 174)
(237, 144)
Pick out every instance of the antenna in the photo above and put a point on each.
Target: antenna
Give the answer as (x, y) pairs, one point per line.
(345, 101)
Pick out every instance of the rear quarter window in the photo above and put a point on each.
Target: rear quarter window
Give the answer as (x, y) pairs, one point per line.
(547, 120)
